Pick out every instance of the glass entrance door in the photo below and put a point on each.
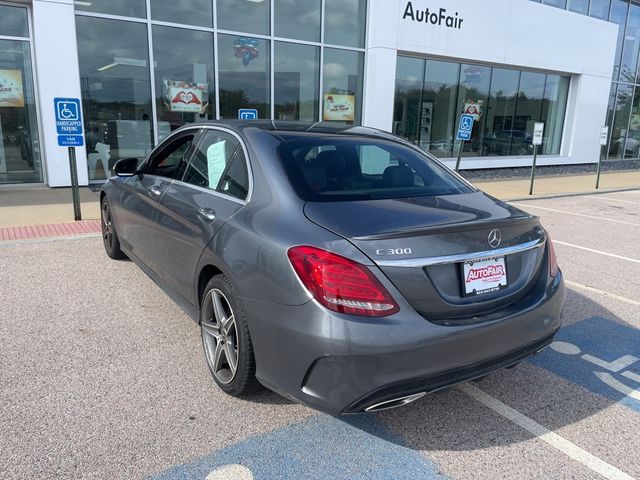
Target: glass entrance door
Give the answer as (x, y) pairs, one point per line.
(19, 143)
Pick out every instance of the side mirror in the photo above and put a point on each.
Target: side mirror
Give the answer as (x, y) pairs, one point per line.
(126, 167)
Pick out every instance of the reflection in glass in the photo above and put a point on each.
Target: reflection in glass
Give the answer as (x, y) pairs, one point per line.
(344, 22)
(410, 114)
(578, 6)
(599, 9)
(528, 111)
(126, 8)
(554, 106)
(440, 95)
(631, 45)
(244, 66)
(296, 82)
(13, 21)
(632, 143)
(299, 19)
(624, 96)
(619, 15)
(342, 83)
(116, 91)
(183, 76)
(500, 112)
(473, 99)
(200, 12)
(556, 3)
(19, 143)
(244, 16)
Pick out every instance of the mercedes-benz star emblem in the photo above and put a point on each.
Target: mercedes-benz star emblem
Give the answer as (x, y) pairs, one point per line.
(495, 237)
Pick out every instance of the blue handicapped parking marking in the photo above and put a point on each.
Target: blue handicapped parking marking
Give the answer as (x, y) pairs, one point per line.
(353, 448)
(600, 355)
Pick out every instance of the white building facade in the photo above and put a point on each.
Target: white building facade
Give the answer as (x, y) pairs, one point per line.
(143, 68)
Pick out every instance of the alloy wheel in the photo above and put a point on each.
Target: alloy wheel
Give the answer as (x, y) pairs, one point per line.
(220, 337)
(107, 226)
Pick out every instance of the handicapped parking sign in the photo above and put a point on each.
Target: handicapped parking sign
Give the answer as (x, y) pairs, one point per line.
(464, 127)
(247, 114)
(68, 122)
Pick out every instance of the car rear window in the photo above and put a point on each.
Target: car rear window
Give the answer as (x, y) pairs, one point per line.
(344, 169)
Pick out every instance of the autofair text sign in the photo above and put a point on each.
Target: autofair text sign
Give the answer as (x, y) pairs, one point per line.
(538, 129)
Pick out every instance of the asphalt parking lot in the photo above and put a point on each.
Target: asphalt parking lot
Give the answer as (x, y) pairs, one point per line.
(102, 376)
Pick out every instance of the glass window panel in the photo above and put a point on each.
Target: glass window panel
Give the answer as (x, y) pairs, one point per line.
(199, 12)
(473, 99)
(553, 111)
(599, 9)
(298, 19)
(244, 16)
(244, 75)
(632, 143)
(126, 8)
(296, 82)
(13, 21)
(619, 15)
(500, 112)
(116, 91)
(440, 94)
(409, 114)
(185, 90)
(631, 46)
(528, 110)
(19, 143)
(342, 83)
(579, 6)
(556, 3)
(344, 22)
(621, 121)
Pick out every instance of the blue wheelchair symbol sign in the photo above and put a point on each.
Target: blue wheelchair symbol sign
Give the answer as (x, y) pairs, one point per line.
(247, 114)
(465, 127)
(68, 118)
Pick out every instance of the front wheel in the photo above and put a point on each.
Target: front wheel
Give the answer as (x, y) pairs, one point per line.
(109, 235)
(225, 338)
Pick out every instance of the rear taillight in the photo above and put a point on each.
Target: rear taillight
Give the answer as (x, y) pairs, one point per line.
(340, 284)
(553, 262)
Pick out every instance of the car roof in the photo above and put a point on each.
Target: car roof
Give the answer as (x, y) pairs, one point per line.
(278, 127)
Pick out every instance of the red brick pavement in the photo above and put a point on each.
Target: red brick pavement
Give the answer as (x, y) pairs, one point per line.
(50, 230)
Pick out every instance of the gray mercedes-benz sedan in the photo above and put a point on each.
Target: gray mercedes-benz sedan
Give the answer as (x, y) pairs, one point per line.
(340, 266)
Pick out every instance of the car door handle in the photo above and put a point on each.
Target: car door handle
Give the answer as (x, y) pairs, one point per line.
(207, 214)
(156, 192)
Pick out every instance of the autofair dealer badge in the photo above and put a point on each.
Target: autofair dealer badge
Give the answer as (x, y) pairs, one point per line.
(484, 276)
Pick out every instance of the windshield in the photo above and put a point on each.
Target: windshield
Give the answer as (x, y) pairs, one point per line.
(342, 169)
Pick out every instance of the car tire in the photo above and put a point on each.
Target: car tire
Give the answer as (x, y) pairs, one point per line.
(225, 339)
(109, 235)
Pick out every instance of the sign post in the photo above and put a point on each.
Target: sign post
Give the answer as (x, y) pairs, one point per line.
(69, 128)
(538, 130)
(604, 136)
(464, 134)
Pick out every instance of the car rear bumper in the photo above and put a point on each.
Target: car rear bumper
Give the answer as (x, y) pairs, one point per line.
(342, 364)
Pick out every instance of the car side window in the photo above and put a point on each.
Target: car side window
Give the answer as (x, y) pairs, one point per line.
(169, 161)
(219, 164)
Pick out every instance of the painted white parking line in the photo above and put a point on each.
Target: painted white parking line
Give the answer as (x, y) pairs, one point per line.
(599, 197)
(600, 252)
(602, 292)
(593, 217)
(556, 441)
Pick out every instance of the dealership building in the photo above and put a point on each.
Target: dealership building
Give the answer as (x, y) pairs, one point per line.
(142, 68)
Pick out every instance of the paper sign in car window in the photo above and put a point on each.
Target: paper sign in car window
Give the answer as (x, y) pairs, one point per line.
(216, 162)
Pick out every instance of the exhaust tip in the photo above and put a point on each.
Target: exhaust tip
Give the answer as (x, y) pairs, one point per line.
(394, 403)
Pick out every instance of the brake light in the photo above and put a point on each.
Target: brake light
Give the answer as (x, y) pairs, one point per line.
(553, 262)
(340, 284)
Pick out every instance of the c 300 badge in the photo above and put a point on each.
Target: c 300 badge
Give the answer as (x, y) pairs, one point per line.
(393, 251)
